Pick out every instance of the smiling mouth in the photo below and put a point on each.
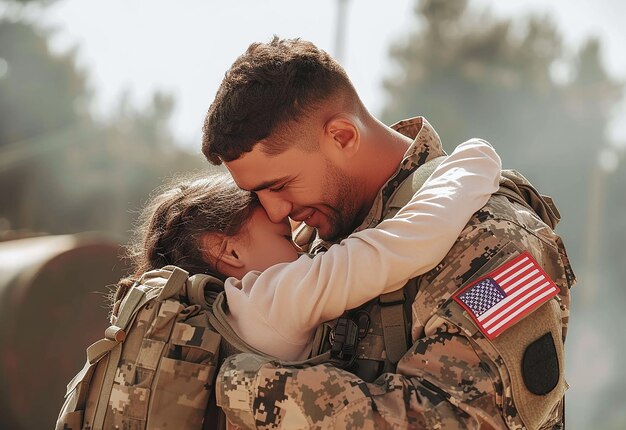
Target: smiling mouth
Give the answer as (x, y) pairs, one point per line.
(303, 216)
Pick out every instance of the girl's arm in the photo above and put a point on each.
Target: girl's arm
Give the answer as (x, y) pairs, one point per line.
(277, 310)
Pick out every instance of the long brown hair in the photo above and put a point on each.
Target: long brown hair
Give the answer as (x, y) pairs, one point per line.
(177, 216)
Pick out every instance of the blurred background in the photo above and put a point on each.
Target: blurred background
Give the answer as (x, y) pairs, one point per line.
(101, 101)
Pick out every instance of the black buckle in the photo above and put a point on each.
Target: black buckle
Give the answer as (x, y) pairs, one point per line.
(343, 339)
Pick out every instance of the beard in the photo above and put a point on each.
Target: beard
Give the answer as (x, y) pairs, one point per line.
(345, 211)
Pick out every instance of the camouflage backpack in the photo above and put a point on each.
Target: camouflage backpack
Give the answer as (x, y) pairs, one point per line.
(155, 366)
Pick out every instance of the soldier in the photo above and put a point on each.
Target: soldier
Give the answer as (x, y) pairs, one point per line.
(484, 329)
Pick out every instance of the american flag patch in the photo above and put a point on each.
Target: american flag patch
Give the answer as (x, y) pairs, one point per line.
(503, 297)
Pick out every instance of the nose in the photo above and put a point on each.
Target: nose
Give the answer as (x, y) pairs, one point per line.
(276, 207)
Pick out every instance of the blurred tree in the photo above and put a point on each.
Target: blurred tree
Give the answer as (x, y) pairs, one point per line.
(39, 95)
(472, 74)
(40, 92)
(61, 171)
(545, 108)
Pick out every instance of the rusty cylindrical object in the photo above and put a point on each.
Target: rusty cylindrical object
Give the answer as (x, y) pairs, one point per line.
(53, 304)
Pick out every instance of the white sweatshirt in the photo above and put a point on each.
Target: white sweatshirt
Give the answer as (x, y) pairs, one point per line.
(278, 310)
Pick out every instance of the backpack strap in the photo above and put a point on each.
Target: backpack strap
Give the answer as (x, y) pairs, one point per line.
(135, 299)
(517, 188)
(111, 345)
(175, 283)
(231, 342)
(202, 290)
(392, 304)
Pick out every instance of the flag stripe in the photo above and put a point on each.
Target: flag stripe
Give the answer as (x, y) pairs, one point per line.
(517, 305)
(513, 303)
(517, 312)
(518, 282)
(516, 274)
(505, 301)
(509, 269)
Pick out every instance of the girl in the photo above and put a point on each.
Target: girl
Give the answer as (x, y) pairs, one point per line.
(276, 298)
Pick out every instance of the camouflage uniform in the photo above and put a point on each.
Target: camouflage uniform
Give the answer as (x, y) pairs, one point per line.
(452, 376)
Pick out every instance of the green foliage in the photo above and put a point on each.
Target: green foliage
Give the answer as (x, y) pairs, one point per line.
(474, 74)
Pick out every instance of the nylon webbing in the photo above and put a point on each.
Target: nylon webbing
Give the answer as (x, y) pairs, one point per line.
(135, 298)
(230, 339)
(174, 283)
(107, 386)
(394, 325)
(392, 313)
(195, 290)
(202, 289)
(80, 376)
(99, 349)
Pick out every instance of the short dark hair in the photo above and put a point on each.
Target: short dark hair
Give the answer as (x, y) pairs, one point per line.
(266, 87)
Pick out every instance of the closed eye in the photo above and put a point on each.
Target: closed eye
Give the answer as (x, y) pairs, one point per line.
(277, 189)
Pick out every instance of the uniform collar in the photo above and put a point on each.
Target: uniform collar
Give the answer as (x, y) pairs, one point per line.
(426, 145)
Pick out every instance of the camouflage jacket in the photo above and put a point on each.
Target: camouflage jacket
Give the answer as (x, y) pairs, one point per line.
(453, 376)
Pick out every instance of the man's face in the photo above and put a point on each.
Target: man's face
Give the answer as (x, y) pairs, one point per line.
(304, 186)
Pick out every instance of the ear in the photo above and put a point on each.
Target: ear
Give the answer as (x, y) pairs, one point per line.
(230, 259)
(232, 256)
(342, 133)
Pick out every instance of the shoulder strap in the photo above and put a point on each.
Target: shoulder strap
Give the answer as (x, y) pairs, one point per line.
(111, 344)
(175, 283)
(203, 289)
(394, 324)
(392, 304)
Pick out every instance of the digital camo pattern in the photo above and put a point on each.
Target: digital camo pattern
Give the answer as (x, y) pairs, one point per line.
(452, 376)
(164, 376)
(176, 390)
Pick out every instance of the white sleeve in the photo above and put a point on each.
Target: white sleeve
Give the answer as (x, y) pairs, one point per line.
(277, 310)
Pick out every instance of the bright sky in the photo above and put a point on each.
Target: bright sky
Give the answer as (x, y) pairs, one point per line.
(184, 47)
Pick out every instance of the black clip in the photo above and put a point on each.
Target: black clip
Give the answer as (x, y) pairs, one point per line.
(344, 338)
